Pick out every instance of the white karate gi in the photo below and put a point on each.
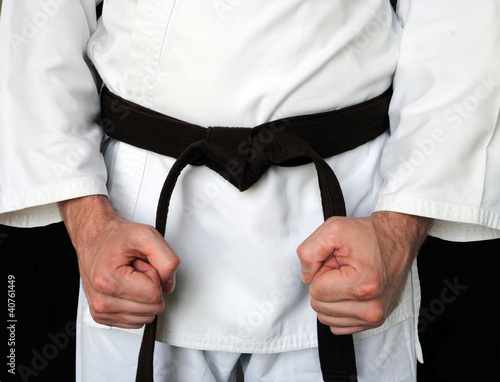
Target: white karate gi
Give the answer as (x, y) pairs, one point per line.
(241, 63)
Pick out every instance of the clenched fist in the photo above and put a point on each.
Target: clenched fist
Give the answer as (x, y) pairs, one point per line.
(357, 267)
(125, 267)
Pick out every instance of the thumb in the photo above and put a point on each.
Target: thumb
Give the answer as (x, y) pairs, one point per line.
(313, 257)
(162, 258)
(144, 267)
(318, 250)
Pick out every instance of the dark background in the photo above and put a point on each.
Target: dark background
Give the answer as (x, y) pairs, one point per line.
(44, 265)
(459, 331)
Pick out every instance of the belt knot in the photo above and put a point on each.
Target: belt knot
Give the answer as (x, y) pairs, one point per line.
(238, 154)
(242, 155)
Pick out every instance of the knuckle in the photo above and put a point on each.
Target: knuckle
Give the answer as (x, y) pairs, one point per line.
(150, 231)
(306, 251)
(302, 251)
(336, 223)
(155, 296)
(367, 290)
(173, 263)
(317, 294)
(375, 315)
(144, 233)
(306, 258)
(99, 306)
(104, 285)
(332, 220)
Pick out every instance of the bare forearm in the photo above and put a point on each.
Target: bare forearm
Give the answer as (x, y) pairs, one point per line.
(403, 234)
(84, 217)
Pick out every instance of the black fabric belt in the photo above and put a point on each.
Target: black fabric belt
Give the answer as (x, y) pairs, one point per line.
(242, 156)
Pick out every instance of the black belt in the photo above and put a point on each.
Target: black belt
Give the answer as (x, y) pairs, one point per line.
(242, 156)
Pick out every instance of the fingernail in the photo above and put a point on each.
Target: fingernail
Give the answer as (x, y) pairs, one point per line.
(170, 284)
(305, 275)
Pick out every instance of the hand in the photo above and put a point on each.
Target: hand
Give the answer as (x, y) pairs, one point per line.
(357, 267)
(124, 266)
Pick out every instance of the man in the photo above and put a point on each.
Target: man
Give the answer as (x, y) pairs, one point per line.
(237, 294)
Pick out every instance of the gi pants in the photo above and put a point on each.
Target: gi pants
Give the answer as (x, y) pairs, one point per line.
(108, 355)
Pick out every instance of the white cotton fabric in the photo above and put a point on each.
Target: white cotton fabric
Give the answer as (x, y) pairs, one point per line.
(242, 63)
(389, 357)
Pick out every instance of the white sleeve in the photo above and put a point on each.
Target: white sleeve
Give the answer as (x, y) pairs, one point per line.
(49, 110)
(443, 157)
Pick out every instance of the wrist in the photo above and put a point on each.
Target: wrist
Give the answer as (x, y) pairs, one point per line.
(403, 234)
(403, 224)
(86, 216)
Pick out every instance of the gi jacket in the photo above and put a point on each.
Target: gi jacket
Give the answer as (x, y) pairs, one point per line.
(242, 63)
